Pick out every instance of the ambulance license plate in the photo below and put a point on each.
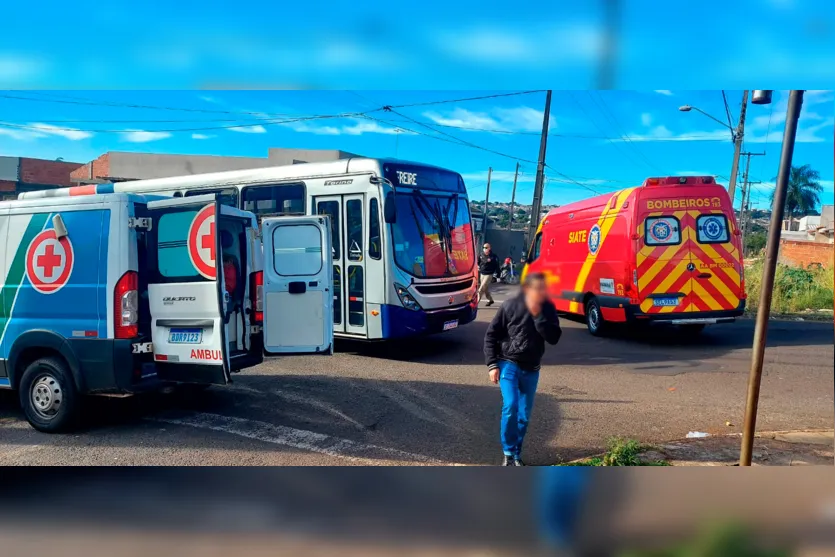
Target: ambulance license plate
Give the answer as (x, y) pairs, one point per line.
(185, 336)
(665, 302)
(451, 325)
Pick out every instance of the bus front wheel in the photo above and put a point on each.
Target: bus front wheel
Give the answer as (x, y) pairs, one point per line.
(594, 318)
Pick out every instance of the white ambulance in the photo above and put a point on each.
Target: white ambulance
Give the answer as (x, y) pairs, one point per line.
(121, 293)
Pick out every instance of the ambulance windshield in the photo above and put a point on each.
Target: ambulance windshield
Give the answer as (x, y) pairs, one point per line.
(433, 236)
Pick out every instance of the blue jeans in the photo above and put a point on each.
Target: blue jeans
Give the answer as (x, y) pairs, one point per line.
(518, 389)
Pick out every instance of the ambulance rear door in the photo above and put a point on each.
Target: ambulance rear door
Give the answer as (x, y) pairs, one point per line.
(298, 278)
(189, 302)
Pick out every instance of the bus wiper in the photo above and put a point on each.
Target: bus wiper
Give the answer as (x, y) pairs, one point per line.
(436, 217)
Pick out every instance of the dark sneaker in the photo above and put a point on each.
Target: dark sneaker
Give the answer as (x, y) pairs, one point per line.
(518, 462)
(490, 303)
(508, 461)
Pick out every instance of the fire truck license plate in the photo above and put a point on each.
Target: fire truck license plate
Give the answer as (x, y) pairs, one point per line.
(665, 302)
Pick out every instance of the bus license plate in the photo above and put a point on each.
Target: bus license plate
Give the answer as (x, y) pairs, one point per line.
(665, 302)
(185, 336)
(450, 324)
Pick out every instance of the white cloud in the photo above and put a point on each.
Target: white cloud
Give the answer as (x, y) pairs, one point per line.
(141, 136)
(646, 119)
(567, 43)
(68, 133)
(358, 127)
(19, 134)
(662, 133)
(201, 136)
(516, 119)
(258, 128)
(665, 92)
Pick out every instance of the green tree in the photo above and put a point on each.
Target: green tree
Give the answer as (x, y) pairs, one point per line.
(804, 190)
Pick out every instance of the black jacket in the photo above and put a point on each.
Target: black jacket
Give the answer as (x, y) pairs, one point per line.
(488, 264)
(517, 336)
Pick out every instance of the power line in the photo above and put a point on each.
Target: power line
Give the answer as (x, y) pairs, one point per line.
(175, 130)
(606, 113)
(427, 103)
(596, 125)
(90, 102)
(458, 140)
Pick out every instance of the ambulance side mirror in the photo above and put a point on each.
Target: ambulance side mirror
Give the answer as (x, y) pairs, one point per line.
(59, 227)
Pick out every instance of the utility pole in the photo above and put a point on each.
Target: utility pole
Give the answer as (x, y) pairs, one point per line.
(738, 135)
(536, 205)
(746, 194)
(513, 198)
(767, 284)
(486, 205)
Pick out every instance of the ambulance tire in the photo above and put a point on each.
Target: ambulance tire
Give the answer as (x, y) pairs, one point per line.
(594, 318)
(48, 395)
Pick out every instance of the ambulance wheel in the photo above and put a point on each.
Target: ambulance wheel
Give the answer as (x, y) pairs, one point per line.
(594, 318)
(48, 395)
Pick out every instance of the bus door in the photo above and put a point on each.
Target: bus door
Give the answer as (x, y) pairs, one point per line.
(348, 224)
(297, 285)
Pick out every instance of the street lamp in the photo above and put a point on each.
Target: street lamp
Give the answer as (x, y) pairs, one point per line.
(688, 108)
(759, 97)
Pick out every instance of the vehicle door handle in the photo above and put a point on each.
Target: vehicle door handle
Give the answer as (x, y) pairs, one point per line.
(297, 287)
(704, 275)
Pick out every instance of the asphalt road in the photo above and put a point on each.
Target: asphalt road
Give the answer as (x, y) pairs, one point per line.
(429, 401)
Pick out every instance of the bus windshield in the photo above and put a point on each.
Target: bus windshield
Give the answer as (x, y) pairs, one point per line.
(433, 236)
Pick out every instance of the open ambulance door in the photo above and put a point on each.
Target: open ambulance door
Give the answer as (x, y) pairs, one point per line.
(194, 336)
(298, 278)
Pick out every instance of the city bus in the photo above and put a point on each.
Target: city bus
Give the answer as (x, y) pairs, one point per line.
(402, 239)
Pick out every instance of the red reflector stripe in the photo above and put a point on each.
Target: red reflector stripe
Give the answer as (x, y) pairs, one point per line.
(161, 357)
(352, 298)
(83, 190)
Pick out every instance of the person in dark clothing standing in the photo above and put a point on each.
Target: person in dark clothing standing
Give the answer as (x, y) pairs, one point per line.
(513, 348)
(488, 264)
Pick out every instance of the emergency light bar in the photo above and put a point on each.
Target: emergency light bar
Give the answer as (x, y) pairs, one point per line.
(679, 181)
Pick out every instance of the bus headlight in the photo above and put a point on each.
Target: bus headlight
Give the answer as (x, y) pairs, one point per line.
(406, 299)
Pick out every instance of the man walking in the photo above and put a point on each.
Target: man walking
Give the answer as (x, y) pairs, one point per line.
(513, 348)
(488, 264)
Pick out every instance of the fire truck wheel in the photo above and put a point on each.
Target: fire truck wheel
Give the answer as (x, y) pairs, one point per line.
(594, 318)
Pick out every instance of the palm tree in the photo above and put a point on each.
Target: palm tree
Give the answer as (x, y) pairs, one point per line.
(803, 192)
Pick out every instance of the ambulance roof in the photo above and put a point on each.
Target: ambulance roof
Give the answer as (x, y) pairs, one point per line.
(644, 189)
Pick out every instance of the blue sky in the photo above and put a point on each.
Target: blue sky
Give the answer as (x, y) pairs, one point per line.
(426, 45)
(600, 140)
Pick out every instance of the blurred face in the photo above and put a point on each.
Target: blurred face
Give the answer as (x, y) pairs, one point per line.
(486, 249)
(536, 291)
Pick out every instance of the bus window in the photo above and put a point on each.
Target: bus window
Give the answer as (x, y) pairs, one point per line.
(228, 196)
(374, 249)
(284, 199)
(353, 220)
(331, 208)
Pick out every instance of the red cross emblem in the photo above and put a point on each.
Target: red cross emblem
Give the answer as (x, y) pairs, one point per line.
(49, 262)
(201, 242)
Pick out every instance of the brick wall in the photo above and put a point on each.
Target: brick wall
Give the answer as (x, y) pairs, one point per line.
(39, 171)
(803, 254)
(100, 167)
